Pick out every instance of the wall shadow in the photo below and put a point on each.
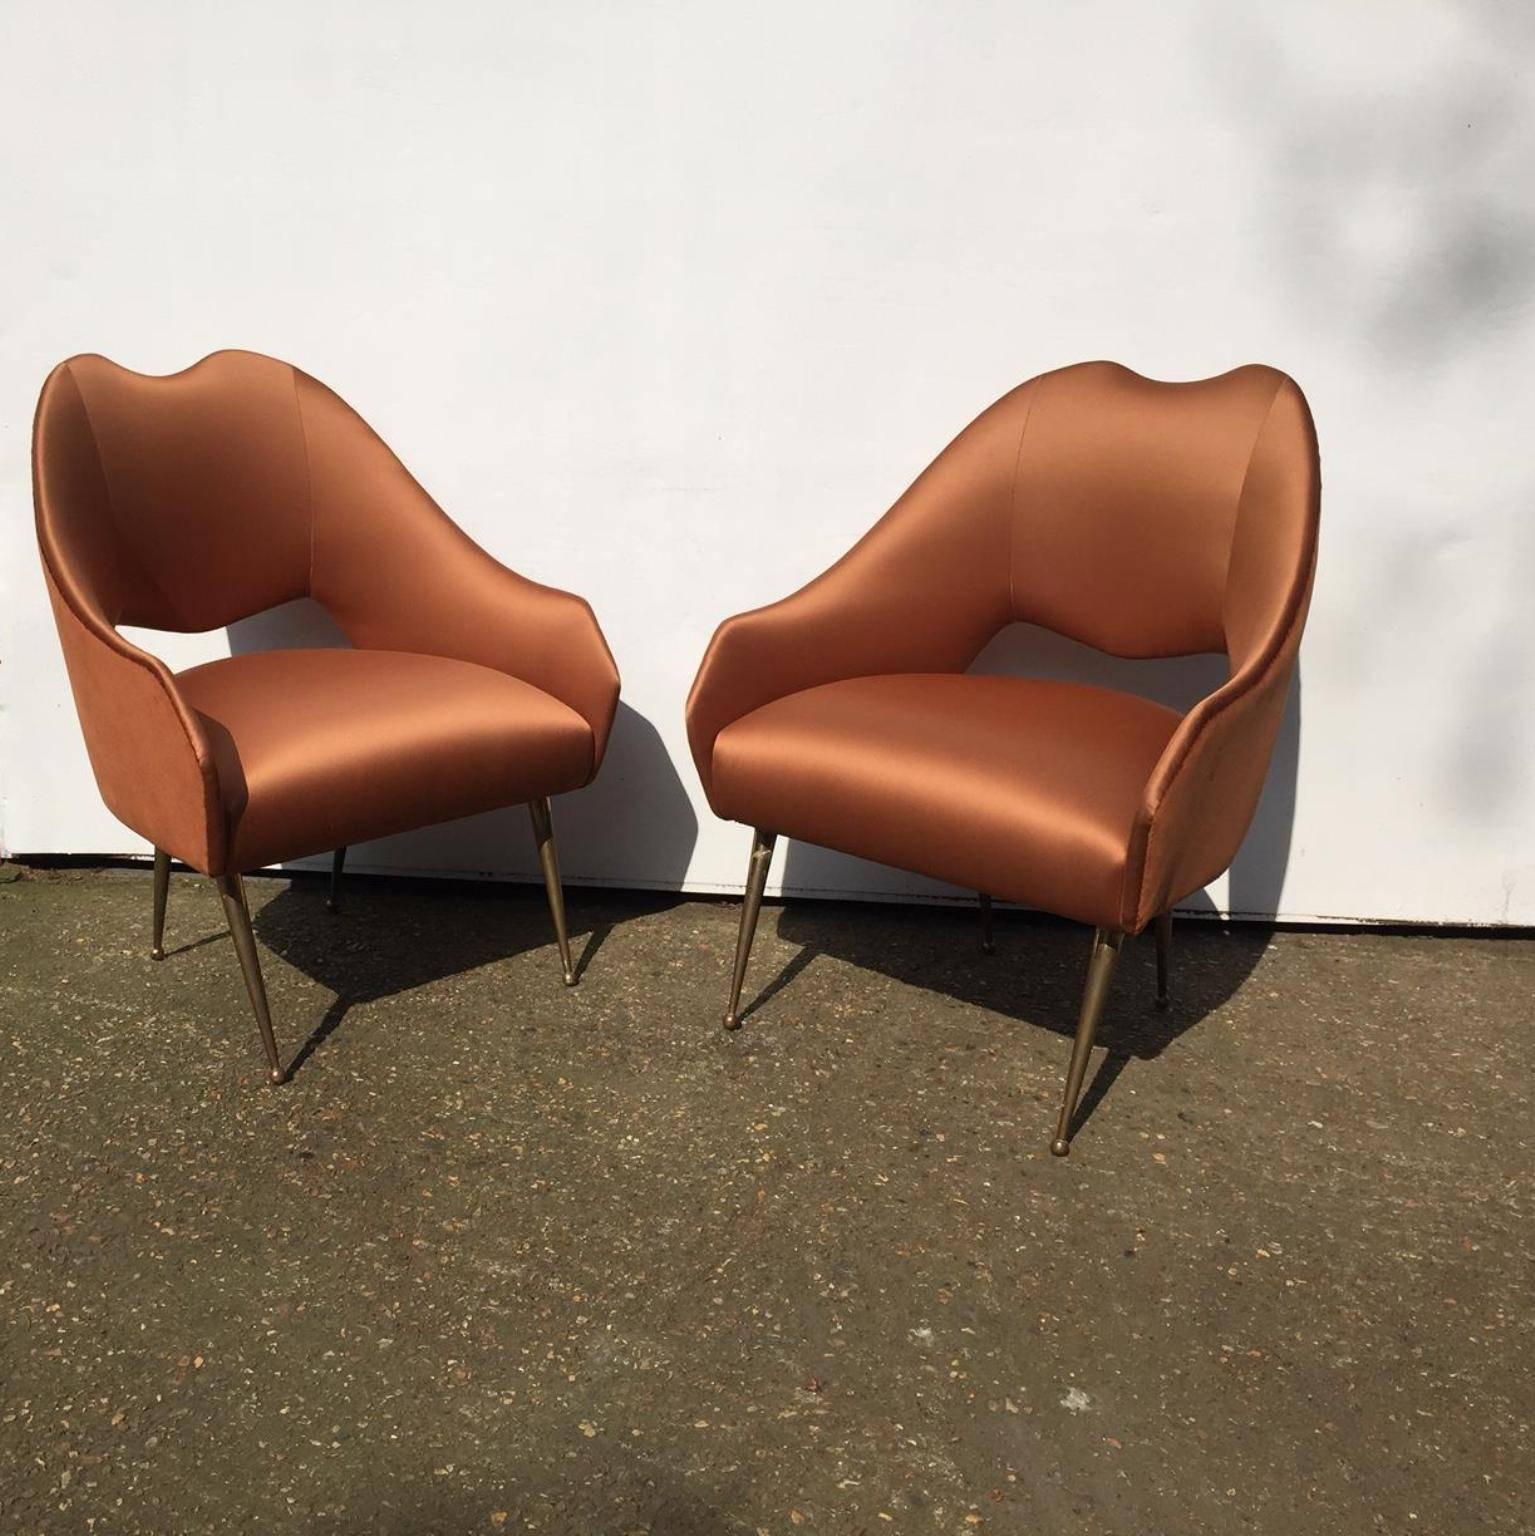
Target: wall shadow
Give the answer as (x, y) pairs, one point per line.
(1397, 222)
(1036, 974)
(1397, 205)
(302, 625)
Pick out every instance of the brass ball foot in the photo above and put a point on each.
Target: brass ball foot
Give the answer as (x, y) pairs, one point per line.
(988, 948)
(279, 1076)
(156, 953)
(731, 1021)
(1060, 1147)
(332, 906)
(570, 978)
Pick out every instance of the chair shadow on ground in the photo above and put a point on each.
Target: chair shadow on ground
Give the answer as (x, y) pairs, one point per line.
(394, 934)
(1036, 975)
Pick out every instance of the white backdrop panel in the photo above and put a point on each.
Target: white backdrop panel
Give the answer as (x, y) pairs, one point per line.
(667, 302)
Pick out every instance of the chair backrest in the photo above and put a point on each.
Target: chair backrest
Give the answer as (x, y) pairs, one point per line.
(1152, 519)
(178, 502)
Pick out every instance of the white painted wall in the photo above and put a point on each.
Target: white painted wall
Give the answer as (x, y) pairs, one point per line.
(666, 302)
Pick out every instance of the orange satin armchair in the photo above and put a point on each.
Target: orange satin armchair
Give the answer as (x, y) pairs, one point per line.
(190, 501)
(1145, 519)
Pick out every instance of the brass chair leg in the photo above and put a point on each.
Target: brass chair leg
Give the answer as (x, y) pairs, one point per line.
(1100, 969)
(232, 890)
(337, 865)
(162, 889)
(751, 905)
(1164, 951)
(988, 944)
(543, 832)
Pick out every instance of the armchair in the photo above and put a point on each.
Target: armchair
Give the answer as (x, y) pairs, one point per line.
(190, 501)
(1142, 518)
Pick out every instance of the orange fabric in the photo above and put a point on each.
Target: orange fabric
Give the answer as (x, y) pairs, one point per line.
(396, 573)
(1024, 788)
(317, 749)
(152, 758)
(1146, 519)
(194, 500)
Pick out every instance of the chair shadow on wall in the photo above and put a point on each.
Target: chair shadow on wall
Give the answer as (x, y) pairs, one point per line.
(1036, 975)
(634, 823)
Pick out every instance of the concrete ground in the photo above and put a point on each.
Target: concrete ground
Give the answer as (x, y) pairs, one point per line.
(504, 1257)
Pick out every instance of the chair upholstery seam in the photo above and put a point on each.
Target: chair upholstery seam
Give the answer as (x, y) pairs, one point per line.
(1012, 497)
(101, 465)
(303, 432)
(1247, 470)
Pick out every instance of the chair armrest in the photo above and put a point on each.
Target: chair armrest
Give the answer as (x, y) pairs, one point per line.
(1202, 794)
(148, 749)
(396, 573)
(1201, 797)
(922, 591)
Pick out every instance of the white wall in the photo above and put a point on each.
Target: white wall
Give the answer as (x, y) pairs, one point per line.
(667, 302)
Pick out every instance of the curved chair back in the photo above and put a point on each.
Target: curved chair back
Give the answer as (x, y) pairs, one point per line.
(1135, 502)
(177, 503)
(1139, 517)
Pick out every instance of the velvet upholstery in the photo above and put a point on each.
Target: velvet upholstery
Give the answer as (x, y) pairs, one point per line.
(1143, 518)
(190, 501)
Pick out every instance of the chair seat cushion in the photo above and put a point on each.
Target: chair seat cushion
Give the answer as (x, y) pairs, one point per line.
(1018, 787)
(318, 748)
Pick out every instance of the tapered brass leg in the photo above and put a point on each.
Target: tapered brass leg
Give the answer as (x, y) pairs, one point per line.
(751, 905)
(543, 832)
(988, 945)
(232, 889)
(162, 888)
(1164, 951)
(337, 864)
(1100, 969)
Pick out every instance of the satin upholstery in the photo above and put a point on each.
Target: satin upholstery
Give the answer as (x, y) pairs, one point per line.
(993, 782)
(316, 749)
(193, 500)
(1143, 518)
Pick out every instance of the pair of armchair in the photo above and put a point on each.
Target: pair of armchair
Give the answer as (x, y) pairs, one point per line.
(1143, 518)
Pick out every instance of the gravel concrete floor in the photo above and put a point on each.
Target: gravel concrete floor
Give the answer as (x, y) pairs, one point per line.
(506, 1257)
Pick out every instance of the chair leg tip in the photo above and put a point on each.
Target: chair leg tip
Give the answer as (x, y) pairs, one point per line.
(731, 1021)
(156, 953)
(570, 978)
(332, 906)
(1060, 1147)
(988, 948)
(278, 1076)
(1163, 1001)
